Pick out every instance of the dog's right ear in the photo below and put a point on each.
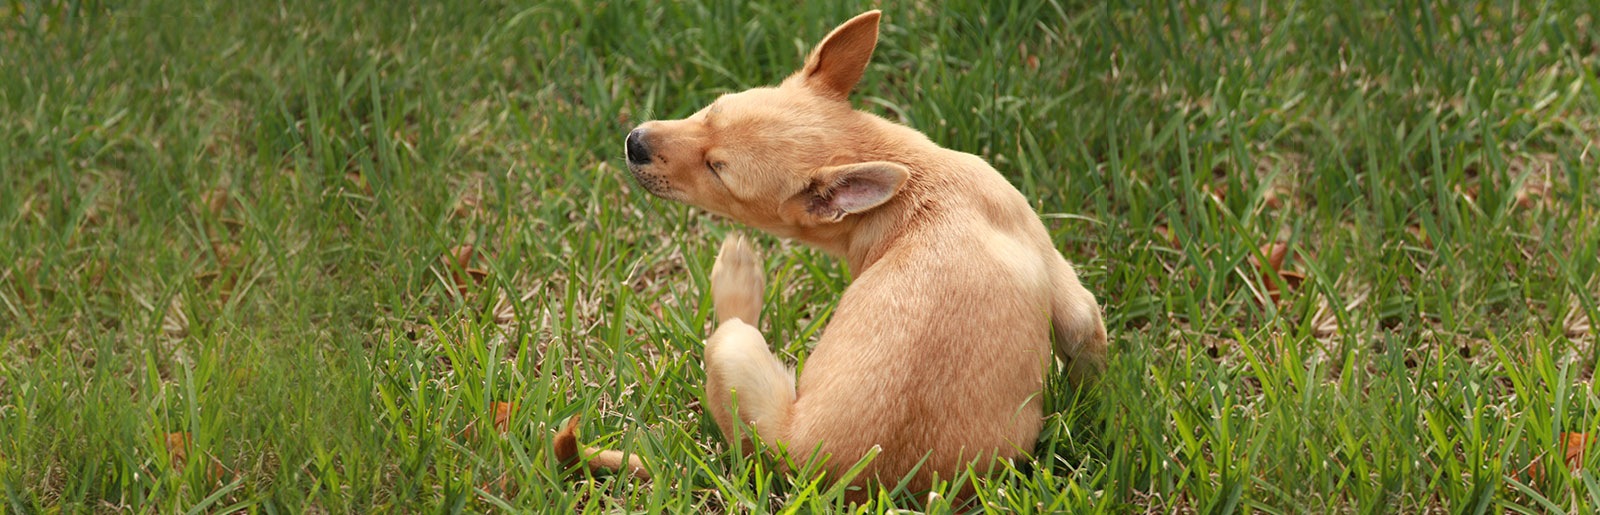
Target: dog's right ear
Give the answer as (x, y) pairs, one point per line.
(836, 65)
(840, 191)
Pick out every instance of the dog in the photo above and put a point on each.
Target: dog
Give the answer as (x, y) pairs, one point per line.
(935, 358)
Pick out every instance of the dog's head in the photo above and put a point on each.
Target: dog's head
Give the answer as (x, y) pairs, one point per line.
(784, 158)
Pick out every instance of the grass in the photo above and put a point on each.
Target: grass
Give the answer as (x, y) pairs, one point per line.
(224, 230)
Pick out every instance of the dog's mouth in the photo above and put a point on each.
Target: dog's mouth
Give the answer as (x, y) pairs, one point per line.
(652, 183)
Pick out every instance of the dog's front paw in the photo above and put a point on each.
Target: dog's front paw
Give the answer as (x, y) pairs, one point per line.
(737, 282)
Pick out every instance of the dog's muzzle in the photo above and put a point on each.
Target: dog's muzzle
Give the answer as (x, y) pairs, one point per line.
(638, 155)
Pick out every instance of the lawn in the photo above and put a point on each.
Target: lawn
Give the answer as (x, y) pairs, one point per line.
(367, 256)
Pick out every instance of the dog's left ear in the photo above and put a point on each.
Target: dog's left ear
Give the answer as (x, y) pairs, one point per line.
(840, 191)
(836, 65)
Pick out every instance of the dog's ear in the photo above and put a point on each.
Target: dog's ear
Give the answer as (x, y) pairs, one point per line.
(839, 191)
(836, 64)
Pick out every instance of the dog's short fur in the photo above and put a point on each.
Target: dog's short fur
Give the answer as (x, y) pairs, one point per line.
(940, 346)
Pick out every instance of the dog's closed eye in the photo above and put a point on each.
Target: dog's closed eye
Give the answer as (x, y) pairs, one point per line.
(716, 167)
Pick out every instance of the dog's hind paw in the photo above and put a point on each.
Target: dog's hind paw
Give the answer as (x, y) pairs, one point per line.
(737, 281)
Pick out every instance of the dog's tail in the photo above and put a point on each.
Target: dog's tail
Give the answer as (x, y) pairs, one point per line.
(570, 453)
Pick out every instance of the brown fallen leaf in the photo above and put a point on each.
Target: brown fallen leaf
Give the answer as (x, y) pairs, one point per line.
(359, 181)
(233, 225)
(94, 215)
(1291, 278)
(501, 485)
(216, 200)
(1532, 193)
(1271, 199)
(178, 448)
(225, 253)
(1572, 446)
(502, 415)
(1031, 60)
(502, 420)
(1167, 234)
(178, 445)
(1420, 234)
(1276, 253)
(205, 278)
(1577, 323)
(462, 273)
(1575, 444)
(466, 205)
(462, 255)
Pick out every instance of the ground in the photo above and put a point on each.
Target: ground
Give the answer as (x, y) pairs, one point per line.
(363, 256)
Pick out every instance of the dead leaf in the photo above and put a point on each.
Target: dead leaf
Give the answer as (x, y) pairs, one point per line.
(178, 445)
(175, 322)
(462, 273)
(1577, 323)
(1271, 199)
(502, 420)
(225, 253)
(233, 225)
(1167, 234)
(1572, 447)
(1292, 279)
(93, 216)
(1276, 253)
(204, 278)
(466, 205)
(1420, 234)
(178, 448)
(462, 255)
(502, 415)
(1031, 60)
(216, 200)
(501, 485)
(1532, 193)
(1218, 193)
(359, 181)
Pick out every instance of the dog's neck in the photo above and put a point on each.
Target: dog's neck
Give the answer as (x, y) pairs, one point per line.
(868, 236)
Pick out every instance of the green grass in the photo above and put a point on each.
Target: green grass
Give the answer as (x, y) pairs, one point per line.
(227, 219)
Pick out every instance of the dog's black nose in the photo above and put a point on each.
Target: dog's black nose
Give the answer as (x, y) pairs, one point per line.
(637, 153)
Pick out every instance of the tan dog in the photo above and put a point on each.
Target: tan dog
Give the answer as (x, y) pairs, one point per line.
(939, 348)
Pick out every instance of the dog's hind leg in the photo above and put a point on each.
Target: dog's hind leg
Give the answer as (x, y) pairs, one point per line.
(1077, 331)
(743, 378)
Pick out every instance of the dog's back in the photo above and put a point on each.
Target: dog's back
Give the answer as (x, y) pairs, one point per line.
(940, 345)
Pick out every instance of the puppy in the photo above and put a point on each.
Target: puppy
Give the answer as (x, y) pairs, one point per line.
(937, 353)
